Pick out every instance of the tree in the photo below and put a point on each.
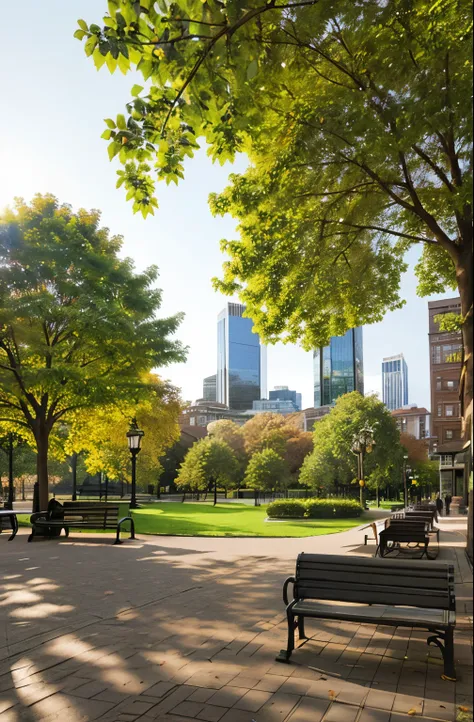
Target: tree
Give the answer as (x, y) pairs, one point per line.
(332, 461)
(78, 327)
(280, 433)
(208, 461)
(416, 449)
(356, 118)
(266, 471)
(231, 433)
(101, 436)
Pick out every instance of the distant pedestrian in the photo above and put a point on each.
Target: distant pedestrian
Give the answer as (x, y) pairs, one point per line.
(439, 505)
(447, 503)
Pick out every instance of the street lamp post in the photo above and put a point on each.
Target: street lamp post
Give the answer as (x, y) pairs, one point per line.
(134, 437)
(405, 490)
(362, 444)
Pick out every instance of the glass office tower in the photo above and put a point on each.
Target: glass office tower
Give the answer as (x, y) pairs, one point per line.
(394, 382)
(209, 388)
(338, 368)
(283, 393)
(241, 360)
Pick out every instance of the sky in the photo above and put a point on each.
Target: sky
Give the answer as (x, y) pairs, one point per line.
(51, 118)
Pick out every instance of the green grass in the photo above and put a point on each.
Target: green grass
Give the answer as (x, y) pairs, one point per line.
(202, 519)
(234, 520)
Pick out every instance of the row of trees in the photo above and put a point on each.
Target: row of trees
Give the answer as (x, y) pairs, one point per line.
(270, 452)
(79, 335)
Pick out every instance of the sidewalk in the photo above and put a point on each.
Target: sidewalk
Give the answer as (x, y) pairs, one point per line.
(177, 629)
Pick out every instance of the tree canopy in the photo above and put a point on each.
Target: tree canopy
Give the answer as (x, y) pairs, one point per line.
(332, 462)
(266, 471)
(356, 118)
(208, 460)
(101, 435)
(78, 326)
(280, 433)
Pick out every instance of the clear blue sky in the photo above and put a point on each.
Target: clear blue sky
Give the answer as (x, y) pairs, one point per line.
(53, 106)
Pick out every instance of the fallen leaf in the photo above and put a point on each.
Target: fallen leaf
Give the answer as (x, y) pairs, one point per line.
(461, 708)
(412, 712)
(332, 694)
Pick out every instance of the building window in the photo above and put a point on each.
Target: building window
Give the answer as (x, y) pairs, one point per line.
(447, 353)
(438, 383)
(450, 385)
(440, 410)
(448, 434)
(449, 410)
(192, 421)
(202, 420)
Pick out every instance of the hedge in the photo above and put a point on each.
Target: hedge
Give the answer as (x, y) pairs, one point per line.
(314, 509)
(286, 509)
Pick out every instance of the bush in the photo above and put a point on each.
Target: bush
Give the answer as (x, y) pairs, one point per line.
(286, 509)
(333, 508)
(314, 509)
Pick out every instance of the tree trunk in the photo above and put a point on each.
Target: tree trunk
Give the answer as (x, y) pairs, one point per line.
(74, 476)
(42, 443)
(465, 285)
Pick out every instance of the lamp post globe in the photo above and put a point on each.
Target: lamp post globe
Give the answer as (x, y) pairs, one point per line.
(134, 438)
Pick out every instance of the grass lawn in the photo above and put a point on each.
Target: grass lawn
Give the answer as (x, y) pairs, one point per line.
(203, 519)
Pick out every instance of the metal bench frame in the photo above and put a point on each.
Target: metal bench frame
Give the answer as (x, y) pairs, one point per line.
(388, 592)
(96, 512)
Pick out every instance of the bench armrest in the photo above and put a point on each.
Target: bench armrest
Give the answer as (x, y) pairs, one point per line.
(38, 515)
(290, 580)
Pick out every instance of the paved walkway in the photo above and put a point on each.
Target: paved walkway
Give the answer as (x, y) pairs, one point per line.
(179, 629)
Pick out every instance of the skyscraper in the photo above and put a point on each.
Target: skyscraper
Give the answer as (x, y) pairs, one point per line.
(338, 368)
(394, 382)
(241, 360)
(283, 393)
(209, 388)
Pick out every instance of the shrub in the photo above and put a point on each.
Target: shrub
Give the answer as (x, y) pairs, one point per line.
(286, 509)
(332, 508)
(314, 509)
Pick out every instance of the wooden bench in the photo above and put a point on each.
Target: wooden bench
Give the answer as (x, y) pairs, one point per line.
(375, 591)
(79, 515)
(375, 527)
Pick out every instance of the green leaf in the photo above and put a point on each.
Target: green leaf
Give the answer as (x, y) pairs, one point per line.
(112, 149)
(90, 44)
(111, 63)
(79, 34)
(110, 123)
(121, 122)
(106, 134)
(136, 90)
(252, 70)
(83, 25)
(98, 58)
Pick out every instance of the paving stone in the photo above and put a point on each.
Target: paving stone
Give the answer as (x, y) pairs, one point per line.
(88, 690)
(188, 709)
(277, 708)
(160, 689)
(380, 699)
(405, 703)
(271, 683)
(341, 713)
(211, 713)
(439, 710)
(309, 709)
(227, 696)
(252, 700)
(201, 695)
(375, 715)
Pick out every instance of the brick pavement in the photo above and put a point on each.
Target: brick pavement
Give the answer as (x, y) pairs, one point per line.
(178, 629)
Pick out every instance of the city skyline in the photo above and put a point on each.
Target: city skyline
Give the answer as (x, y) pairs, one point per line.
(339, 367)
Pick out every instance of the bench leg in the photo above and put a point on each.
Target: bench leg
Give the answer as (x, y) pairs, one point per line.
(117, 537)
(30, 538)
(301, 633)
(447, 650)
(14, 523)
(285, 654)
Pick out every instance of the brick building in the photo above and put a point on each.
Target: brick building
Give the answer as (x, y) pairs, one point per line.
(413, 420)
(445, 370)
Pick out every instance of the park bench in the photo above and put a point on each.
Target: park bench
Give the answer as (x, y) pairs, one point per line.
(407, 514)
(79, 515)
(375, 527)
(415, 534)
(373, 591)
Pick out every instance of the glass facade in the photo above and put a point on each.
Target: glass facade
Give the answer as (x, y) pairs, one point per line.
(283, 393)
(338, 368)
(239, 359)
(209, 388)
(394, 382)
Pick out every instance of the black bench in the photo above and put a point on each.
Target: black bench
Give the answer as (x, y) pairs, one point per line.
(79, 515)
(415, 534)
(374, 591)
